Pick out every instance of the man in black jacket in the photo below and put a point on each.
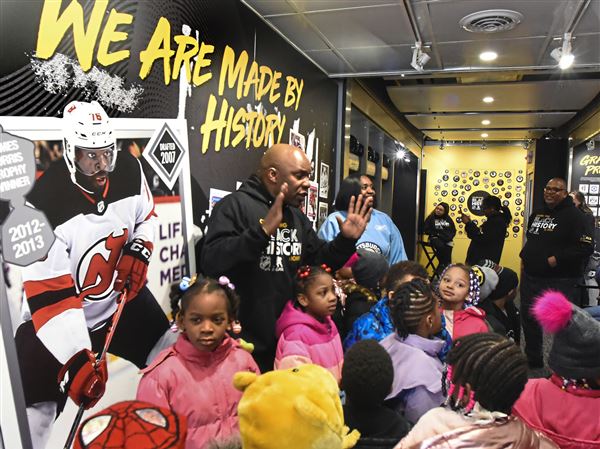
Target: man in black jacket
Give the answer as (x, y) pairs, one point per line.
(259, 238)
(557, 244)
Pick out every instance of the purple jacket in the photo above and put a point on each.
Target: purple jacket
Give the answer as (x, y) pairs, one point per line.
(417, 385)
(304, 339)
(199, 386)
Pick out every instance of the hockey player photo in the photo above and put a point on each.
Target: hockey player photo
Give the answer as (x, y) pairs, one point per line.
(101, 210)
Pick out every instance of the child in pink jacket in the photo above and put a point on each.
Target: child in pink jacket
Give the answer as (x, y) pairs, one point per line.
(566, 407)
(194, 376)
(306, 332)
(459, 291)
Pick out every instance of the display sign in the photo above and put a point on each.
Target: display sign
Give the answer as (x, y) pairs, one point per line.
(26, 234)
(585, 175)
(164, 153)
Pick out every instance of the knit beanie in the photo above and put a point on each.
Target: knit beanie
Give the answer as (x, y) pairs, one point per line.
(132, 425)
(369, 269)
(507, 281)
(488, 280)
(574, 353)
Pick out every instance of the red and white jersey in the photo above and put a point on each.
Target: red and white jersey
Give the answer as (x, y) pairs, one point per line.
(71, 290)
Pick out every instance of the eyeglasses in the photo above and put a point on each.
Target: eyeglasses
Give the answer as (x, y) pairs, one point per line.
(553, 189)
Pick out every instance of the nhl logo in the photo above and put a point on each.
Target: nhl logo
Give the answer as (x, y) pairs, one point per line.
(101, 206)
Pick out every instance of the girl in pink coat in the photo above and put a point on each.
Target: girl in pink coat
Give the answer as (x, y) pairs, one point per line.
(194, 376)
(306, 332)
(459, 292)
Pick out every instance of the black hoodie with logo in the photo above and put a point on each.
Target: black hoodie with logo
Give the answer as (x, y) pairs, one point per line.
(262, 268)
(559, 232)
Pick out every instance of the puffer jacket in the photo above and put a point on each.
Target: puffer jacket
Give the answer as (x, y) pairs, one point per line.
(441, 428)
(570, 417)
(199, 386)
(304, 339)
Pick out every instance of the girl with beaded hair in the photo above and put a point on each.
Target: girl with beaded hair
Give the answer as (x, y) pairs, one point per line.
(305, 330)
(414, 350)
(486, 373)
(459, 291)
(194, 377)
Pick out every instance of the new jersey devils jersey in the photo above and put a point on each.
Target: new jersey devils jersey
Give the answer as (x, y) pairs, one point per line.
(71, 290)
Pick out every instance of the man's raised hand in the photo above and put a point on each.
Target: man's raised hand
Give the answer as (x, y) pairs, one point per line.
(275, 214)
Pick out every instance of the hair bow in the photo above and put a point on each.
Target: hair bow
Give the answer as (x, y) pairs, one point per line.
(225, 282)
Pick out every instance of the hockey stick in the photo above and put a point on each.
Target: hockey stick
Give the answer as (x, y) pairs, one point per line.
(101, 356)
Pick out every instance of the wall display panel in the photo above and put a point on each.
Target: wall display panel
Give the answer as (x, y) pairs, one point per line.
(240, 86)
(233, 86)
(463, 176)
(172, 230)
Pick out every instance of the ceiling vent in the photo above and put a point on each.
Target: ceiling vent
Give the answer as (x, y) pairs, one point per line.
(491, 21)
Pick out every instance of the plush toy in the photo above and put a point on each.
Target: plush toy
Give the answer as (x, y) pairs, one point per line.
(297, 408)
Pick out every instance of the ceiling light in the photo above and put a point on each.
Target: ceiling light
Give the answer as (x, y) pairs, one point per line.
(488, 99)
(400, 154)
(563, 55)
(484, 135)
(419, 57)
(488, 55)
(485, 122)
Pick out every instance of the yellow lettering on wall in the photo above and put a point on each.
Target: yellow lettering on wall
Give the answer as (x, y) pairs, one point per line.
(293, 92)
(110, 34)
(589, 160)
(252, 79)
(232, 71)
(202, 61)
(592, 170)
(184, 55)
(53, 28)
(256, 127)
(273, 94)
(158, 47)
(211, 124)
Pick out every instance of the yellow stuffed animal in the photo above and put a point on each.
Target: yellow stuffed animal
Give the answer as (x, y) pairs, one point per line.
(297, 408)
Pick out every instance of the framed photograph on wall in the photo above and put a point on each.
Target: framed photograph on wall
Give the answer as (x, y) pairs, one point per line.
(324, 181)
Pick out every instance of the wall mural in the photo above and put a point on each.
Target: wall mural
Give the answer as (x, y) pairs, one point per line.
(466, 188)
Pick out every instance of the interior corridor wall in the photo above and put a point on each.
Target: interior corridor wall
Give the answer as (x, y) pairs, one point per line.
(455, 173)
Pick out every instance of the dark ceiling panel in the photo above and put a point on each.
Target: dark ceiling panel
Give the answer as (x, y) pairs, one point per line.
(525, 96)
(467, 121)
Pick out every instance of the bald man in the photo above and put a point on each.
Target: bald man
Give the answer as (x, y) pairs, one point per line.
(557, 246)
(259, 238)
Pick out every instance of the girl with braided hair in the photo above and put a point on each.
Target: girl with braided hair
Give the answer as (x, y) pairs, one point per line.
(486, 374)
(305, 330)
(194, 377)
(459, 291)
(414, 350)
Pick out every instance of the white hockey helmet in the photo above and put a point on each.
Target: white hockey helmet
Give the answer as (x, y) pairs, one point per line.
(89, 141)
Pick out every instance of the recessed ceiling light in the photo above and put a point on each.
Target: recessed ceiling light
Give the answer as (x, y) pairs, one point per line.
(488, 55)
(485, 122)
(488, 99)
(484, 135)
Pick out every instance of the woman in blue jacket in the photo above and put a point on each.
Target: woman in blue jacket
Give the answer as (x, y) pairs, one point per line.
(381, 236)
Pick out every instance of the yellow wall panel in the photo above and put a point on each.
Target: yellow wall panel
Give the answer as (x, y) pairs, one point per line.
(456, 172)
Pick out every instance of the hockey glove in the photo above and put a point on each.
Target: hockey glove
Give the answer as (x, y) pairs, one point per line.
(82, 379)
(132, 267)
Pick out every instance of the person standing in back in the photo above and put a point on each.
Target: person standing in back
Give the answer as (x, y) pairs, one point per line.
(556, 247)
(487, 240)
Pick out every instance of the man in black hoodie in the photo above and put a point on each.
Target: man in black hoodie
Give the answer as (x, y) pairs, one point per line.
(258, 237)
(557, 244)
